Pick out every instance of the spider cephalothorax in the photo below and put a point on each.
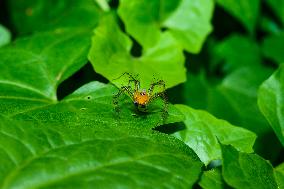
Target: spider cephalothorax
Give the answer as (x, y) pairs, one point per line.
(141, 97)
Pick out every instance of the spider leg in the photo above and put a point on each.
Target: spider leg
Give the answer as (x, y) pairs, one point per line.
(159, 95)
(131, 79)
(123, 89)
(165, 100)
(153, 85)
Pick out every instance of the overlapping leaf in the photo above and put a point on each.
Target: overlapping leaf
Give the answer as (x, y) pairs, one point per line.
(188, 21)
(203, 133)
(110, 56)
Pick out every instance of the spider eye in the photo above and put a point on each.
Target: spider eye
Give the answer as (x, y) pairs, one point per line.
(135, 103)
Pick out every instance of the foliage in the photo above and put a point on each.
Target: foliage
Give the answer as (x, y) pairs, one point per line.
(61, 63)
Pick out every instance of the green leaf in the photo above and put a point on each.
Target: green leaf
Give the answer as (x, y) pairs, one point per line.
(110, 56)
(278, 7)
(212, 179)
(242, 170)
(32, 68)
(5, 36)
(271, 102)
(245, 11)
(38, 15)
(279, 174)
(203, 133)
(80, 156)
(188, 21)
(272, 47)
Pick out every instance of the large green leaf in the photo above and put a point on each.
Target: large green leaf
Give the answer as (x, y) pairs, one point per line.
(110, 56)
(203, 133)
(271, 102)
(279, 174)
(80, 141)
(278, 7)
(272, 47)
(242, 170)
(245, 11)
(75, 155)
(188, 21)
(37, 15)
(5, 36)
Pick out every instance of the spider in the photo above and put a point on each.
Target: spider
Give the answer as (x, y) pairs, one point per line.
(142, 97)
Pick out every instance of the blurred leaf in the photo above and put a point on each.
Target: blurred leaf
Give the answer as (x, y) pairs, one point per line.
(188, 21)
(5, 36)
(80, 156)
(37, 15)
(279, 174)
(240, 90)
(271, 102)
(245, 11)
(110, 56)
(230, 49)
(242, 170)
(273, 46)
(195, 91)
(212, 179)
(269, 25)
(278, 7)
(203, 133)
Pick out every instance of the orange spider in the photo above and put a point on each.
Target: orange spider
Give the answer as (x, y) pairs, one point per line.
(141, 98)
